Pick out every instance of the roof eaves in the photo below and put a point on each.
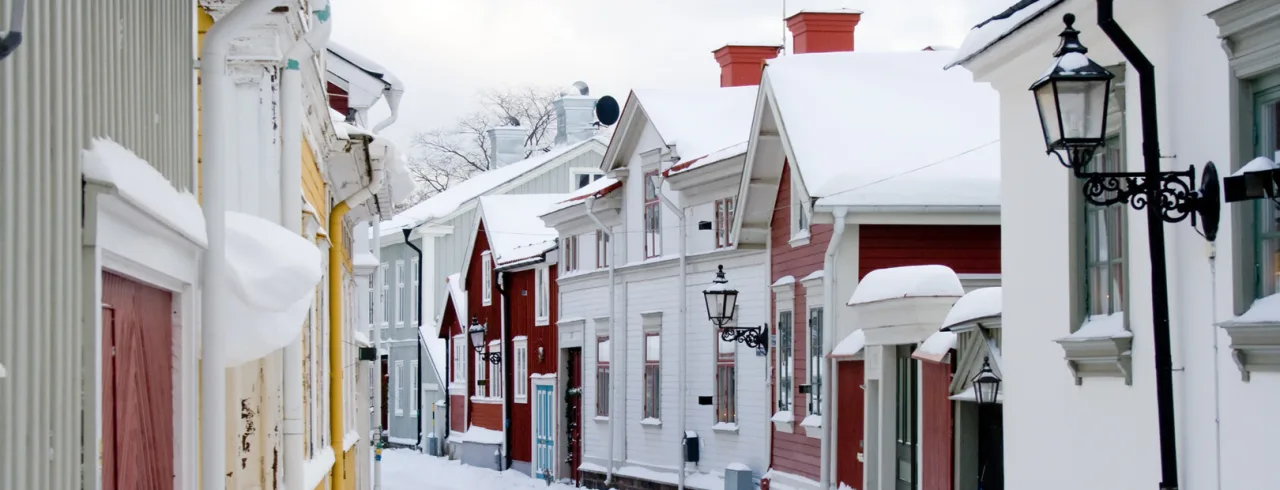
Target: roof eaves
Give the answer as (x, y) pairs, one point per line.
(1015, 8)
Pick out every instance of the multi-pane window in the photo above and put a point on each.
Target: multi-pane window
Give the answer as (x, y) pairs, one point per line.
(373, 298)
(907, 430)
(495, 371)
(400, 294)
(481, 385)
(815, 361)
(486, 276)
(786, 359)
(386, 298)
(413, 388)
(1104, 242)
(602, 249)
(582, 179)
(726, 383)
(603, 355)
(1266, 228)
(459, 374)
(569, 257)
(542, 295)
(521, 368)
(416, 274)
(724, 222)
(652, 217)
(398, 393)
(652, 375)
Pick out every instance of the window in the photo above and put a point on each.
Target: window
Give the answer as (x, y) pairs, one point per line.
(413, 388)
(386, 297)
(521, 368)
(486, 278)
(495, 371)
(652, 218)
(785, 360)
(373, 299)
(815, 361)
(459, 359)
(481, 386)
(726, 383)
(398, 393)
(724, 222)
(907, 429)
(542, 296)
(400, 297)
(416, 274)
(1266, 228)
(583, 178)
(799, 212)
(603, 355)
(569, 257)
(602, 249)
(652, 375)
(1104, 242)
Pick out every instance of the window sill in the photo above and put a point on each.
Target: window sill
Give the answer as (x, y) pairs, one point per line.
(1255, 346)
(725, 427)
(485, 400)
(651, 422)
(604, 419)
(784, 421)
(522, 400)
(399, 413)
(812, 426)
(799, 239)
(541, 322)
(1099, 357)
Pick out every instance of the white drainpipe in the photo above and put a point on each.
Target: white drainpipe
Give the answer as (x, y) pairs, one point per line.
(680, 335)
(291, 121)
(613, 334)
(393, 101)
(377, 348)
(825, 468)
(215, 121)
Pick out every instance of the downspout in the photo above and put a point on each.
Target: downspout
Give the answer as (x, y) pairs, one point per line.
(613, 373)
(681, 330)
(378, 313)
(392, 95)
(825, 468)
(504, 289)
(336, 341)
(10, 41)
(422, 343)
(291, 120)
(215, 119)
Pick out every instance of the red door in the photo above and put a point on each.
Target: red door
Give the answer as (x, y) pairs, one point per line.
(850, 424)
(573, 411)
(137, 324)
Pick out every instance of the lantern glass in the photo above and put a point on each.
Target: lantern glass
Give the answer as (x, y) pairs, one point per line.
(1071, 98)
(477, 334)
(986, 385)
(722, 302)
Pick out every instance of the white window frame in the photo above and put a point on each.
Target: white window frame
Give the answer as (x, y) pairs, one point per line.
(395, 381)
(399, 294)
(569, 253)
(481, 375)
(486, 278)
(542, 296)
(790, 373)
(602, 249)
(801, 214)
(414, 388)
(521, 369)
(603, 347)
(495, 370)
(574, 173)
(415, 276)
(386, 293)
(459, 381)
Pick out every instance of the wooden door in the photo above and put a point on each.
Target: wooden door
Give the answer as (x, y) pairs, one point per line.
(138, 354)
(573, 411)
(544, 431)
(849, 437)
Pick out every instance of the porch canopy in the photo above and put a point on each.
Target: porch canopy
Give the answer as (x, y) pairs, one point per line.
(902, 305)
(980, 307)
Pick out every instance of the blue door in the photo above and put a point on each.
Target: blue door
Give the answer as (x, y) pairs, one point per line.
(544, 430)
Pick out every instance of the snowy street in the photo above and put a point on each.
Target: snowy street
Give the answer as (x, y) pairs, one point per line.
(409, 470)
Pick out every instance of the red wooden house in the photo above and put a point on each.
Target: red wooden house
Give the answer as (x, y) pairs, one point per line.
(504, 341)
(848, 173)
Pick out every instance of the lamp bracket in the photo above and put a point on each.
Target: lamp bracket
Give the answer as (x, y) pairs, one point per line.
(1179, 197)
(754, 337)
(492, 357)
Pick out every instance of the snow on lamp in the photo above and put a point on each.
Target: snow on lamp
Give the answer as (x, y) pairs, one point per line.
(986, 384)
(1072, 99)
(722, 301)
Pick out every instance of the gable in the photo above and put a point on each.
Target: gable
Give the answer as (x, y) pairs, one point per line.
(762, 173)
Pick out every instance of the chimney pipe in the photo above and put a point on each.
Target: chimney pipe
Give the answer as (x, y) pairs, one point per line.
(575, 118)
(506, 145)
(742, 64)
(823, 31)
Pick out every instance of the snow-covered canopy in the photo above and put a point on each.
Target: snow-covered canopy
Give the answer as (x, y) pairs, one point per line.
(445, 203)
(998, 27)
(913, 281)
(698, 121)
(936, 347)
(143, 186)
(515, 232)
(360, 339)
(272, 274)
(369, 66)
(887, 129)
(976, 305)
(850, 346)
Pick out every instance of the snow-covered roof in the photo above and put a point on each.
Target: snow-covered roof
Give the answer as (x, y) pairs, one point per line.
(514, 230)
(445, 203)
(702, 120)
(458, 295)
(936, 347)
(599, 188)
(977, 304)
(850, 346)
(912, 281)
(369, 66)
(399, 184)
(436, 349)
(142, 185)
(360, 339)
(888, 129)
(721, 155)
(991, 31)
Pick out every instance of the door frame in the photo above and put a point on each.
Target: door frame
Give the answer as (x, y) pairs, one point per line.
(545, 380)
(124, 238)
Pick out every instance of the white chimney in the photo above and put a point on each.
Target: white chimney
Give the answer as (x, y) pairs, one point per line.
(506, 145)
(575, 114)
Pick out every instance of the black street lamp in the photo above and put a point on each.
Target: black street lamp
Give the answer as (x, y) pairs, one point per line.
(1072, 101)
(722, 305)
(477, 331)
(986, 384)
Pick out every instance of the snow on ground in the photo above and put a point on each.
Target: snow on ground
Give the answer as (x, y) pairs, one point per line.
(408, 470)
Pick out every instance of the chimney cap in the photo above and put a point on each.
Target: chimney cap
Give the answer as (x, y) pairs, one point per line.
(838, 11)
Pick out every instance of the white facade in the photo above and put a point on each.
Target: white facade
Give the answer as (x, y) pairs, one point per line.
(1064, 432)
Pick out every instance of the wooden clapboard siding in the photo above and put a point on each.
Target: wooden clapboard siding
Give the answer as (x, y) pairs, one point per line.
(523, 324)
(965, 249)
(937, 442)
(850, 427)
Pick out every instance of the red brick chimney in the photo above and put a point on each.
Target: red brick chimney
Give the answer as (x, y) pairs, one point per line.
(823, 31)
(742, 64)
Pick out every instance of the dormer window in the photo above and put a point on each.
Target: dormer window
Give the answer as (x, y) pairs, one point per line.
(582, 177)
(801, 216)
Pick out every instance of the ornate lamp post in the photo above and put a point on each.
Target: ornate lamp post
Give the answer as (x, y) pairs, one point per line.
(1072, 99)
(722, 304)
(477, 331)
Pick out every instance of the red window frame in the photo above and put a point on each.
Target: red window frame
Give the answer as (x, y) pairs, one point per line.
(652, 379)
(724, 222)
(602, 380)
(652, 217)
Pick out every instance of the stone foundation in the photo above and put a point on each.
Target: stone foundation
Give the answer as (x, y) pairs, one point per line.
(596, 481)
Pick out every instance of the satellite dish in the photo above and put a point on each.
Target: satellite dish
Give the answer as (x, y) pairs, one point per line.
(581, 87)
(607, 110)
(512, 121)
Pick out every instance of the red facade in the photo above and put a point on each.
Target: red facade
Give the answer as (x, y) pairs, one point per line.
(523, 304)
(482, 414)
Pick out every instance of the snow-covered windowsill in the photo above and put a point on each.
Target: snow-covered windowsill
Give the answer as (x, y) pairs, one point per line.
(651, 422)
(541, 322)
(725, 428)
(784, 421)
(485, 400)
(1255, 337)
(812, 425)
(604, 419)
(799, 239)
(1100, 348)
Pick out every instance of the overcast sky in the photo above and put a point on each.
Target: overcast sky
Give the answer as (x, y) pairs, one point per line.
(445, 51)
